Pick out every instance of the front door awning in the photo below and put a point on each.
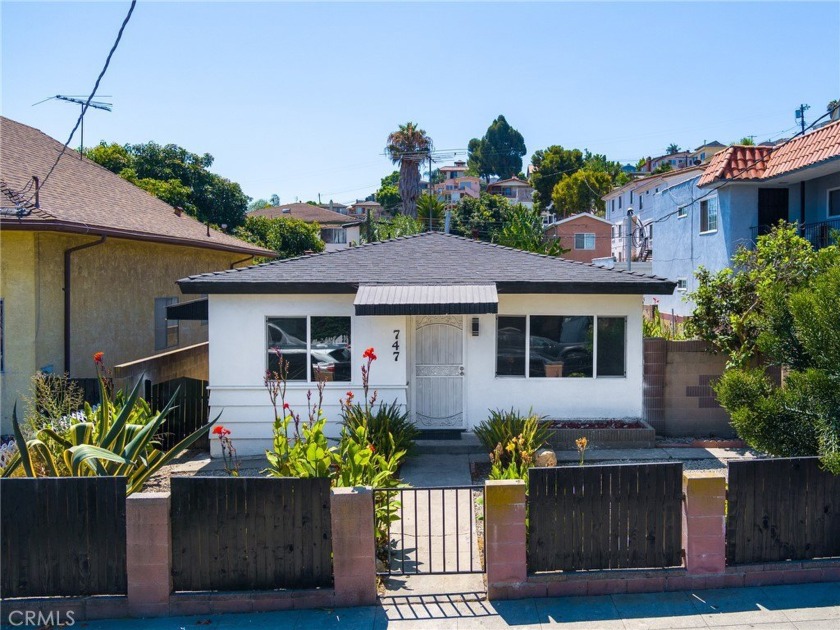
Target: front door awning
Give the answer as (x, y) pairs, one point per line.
(424, 299)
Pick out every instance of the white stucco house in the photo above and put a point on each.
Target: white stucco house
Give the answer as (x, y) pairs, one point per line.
(459, 327)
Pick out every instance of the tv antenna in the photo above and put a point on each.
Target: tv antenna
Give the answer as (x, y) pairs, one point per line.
(80, 100)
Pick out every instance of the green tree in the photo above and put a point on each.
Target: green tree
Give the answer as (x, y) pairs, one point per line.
(746, 141)
(522, 229)
(780, 306)
(664, 167)
(479, 218)
(407, 147)
(177, 177)
(581, 192)
(430, 205)
(641, 164)
(258, 204)
(286, 236)
(396, 226)
(672, 148)
(499, 152)
(551, 165)
(599, 162)
(388, 195)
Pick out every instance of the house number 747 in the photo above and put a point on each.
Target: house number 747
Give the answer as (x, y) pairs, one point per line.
(396, 345)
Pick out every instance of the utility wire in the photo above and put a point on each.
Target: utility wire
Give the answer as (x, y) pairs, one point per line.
(92, 94)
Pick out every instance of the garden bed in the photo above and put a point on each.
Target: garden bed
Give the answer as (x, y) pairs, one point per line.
(601, 433)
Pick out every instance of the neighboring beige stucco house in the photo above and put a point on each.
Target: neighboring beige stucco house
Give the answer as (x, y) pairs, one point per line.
(91, 266)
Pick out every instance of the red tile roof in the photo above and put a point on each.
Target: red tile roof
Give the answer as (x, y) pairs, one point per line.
(83, 197)
(750, 163)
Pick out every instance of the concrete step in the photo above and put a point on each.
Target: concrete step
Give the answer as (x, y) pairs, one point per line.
(467, 445)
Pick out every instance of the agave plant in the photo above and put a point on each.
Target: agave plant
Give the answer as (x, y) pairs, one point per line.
(116, 439)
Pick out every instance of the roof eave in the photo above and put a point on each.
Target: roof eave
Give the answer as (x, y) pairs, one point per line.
(643, 286)
(98, 230)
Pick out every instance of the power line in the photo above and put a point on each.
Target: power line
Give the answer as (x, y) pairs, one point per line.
(92, 94)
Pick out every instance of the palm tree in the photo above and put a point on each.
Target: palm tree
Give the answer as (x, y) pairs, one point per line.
(672, 148)
(430, 205)
(408, 147)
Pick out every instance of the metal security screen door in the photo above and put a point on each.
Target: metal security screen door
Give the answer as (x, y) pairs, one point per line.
(439, 372)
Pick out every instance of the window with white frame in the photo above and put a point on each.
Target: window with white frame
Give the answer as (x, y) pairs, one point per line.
(682, 212)
(682, 285)
(335, 236)
(834, 202)
(584, 240)
(311, 348)
(708, 215)
(561, 346)
(166, 330)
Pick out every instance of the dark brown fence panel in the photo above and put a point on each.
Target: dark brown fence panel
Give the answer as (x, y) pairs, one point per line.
(62, 536)
(781, 509)
(191, 413)
(246, 533)
(605, 517)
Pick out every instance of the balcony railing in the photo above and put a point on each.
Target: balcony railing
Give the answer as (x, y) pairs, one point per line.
(820, 234)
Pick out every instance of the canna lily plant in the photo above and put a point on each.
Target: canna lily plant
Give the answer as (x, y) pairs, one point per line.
(116, 439)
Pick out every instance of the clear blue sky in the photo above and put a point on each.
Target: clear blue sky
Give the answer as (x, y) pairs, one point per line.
(298, 99)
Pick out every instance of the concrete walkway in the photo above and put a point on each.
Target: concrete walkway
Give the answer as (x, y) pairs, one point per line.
(437, 530)
(793, 607)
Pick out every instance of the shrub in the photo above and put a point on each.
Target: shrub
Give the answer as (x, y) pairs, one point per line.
(767, 418)
(114, 439)
(388, 426)
(511, 461)
(504, 426)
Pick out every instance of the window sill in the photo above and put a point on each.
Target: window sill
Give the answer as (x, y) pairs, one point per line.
(682, 216)
(707, 232)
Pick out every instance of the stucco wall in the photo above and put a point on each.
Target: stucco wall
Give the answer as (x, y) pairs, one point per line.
(582, 225)
(238, 362)
(113, 288)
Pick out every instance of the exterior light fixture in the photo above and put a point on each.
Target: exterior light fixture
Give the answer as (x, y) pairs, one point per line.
(475, 326)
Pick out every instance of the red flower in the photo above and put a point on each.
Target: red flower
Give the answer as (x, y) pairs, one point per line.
(372, 450)
(286, 406)
(97, 357)
(349, 396)
(369, 354)
(220, 430)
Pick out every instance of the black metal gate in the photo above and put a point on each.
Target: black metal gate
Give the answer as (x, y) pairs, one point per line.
(436, 530)
(190, 414)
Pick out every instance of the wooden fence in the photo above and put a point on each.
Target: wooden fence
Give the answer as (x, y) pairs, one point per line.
(781, 509)
(250, 533)
(62, 536)
(605, 517)
(191, 413)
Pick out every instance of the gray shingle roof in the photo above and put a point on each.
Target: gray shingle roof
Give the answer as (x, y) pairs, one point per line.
(429, 258)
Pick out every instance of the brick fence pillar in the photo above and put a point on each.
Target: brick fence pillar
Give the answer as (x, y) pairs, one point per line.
(704, 522)
(504, 538)
(354, 546)
(148, 554)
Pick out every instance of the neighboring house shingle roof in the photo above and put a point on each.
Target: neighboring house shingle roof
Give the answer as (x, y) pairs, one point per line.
(511, 181)
(428, 258)
(83, 197)
(749, 163)
(302, 211)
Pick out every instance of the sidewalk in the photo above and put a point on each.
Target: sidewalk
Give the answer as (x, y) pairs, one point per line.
(794, 607)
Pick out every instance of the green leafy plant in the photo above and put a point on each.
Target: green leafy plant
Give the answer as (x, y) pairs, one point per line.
(389, 428)
(116, 439)
(512, 460)
(300, 449)
(503, 426)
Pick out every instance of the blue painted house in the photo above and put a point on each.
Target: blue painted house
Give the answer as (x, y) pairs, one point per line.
(701, 216)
